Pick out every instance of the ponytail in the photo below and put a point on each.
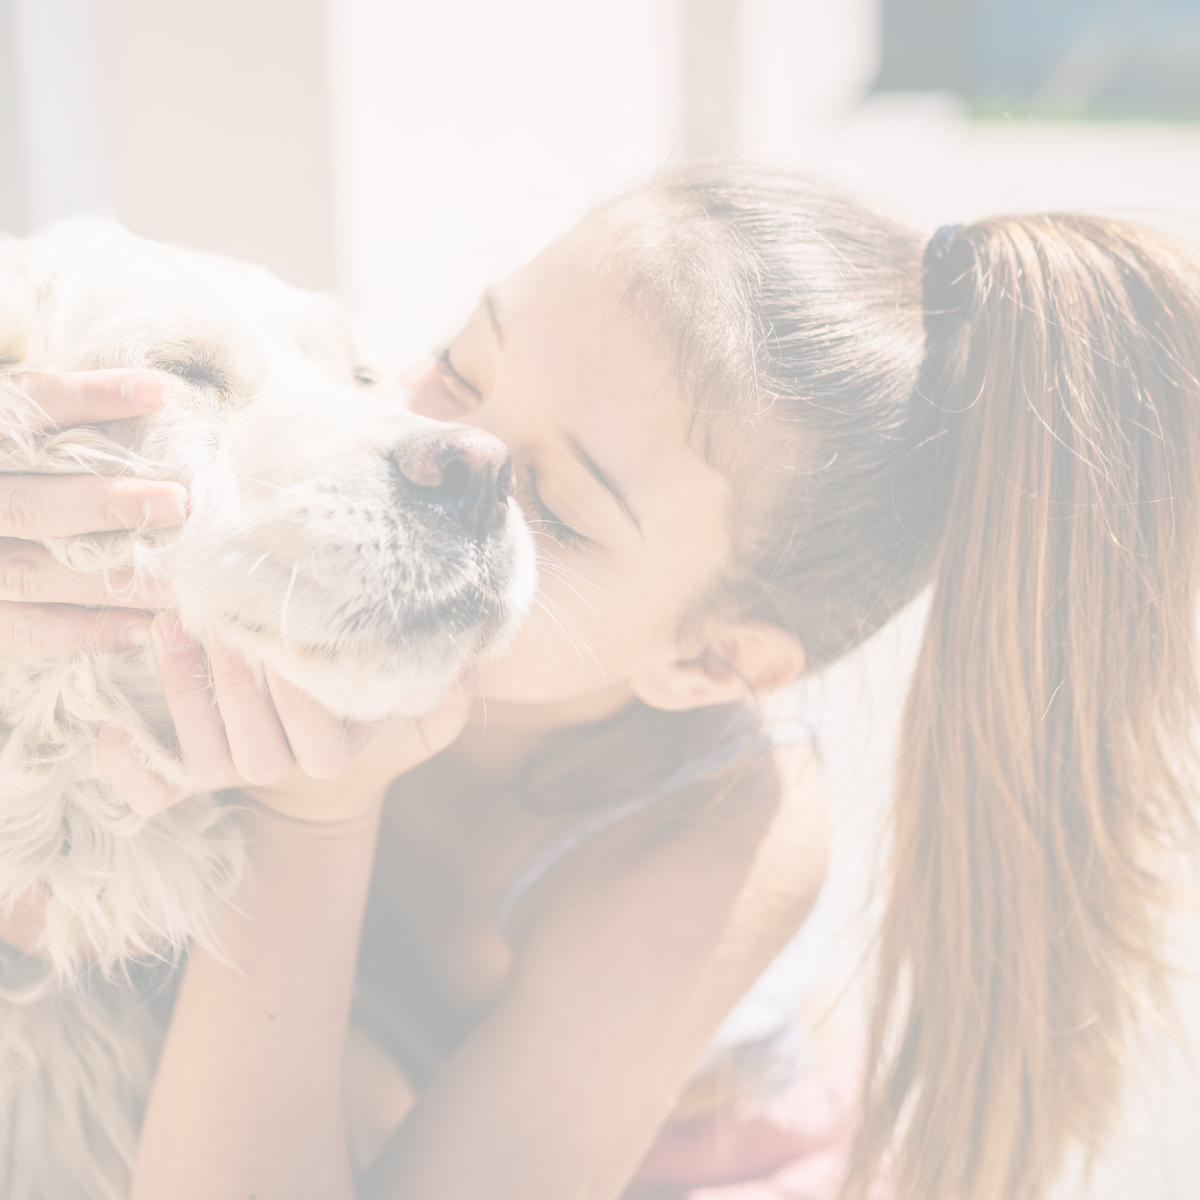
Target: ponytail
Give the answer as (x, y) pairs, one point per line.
(1027, 436)
(1042, 782)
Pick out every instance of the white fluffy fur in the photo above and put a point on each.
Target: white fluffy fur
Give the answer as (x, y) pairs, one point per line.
(299, 549)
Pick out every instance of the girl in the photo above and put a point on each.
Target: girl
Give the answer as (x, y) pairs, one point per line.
(749, 428)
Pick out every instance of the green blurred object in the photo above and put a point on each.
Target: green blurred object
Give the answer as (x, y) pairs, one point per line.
(1050, 58)
(1023, 108)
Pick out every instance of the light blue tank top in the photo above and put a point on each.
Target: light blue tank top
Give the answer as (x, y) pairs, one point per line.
(764, 1020)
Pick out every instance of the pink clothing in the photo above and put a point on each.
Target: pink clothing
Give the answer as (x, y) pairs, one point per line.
(794, 1145)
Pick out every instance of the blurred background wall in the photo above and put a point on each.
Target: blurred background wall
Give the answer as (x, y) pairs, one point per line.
(207, 123)
(406, 153)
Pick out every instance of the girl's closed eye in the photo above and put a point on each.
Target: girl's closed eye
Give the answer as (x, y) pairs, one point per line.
(456, 382)
(538, 513)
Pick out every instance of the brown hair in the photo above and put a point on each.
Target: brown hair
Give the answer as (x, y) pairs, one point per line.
(1035, 457)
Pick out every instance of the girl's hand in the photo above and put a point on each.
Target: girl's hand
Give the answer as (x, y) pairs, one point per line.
(43, 603)
(270, 737)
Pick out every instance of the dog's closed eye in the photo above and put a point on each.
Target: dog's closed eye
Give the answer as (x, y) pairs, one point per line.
(202, 372)
(203, 366)
(365, 376)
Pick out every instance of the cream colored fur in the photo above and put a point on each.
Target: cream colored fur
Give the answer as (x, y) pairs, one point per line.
(302, 549)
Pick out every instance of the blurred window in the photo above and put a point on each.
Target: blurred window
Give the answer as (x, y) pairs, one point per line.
(1066, 58)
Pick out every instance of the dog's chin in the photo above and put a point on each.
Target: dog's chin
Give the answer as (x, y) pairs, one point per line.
(366, 678)
(356, 693)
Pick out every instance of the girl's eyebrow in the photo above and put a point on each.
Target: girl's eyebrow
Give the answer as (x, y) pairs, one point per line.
(601, 476)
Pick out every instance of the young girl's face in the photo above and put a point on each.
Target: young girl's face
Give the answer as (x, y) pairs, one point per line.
(630, 523)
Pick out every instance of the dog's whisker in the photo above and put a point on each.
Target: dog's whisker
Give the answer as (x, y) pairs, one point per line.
(548, 562)
(575, 590)
(283, 612)
(262, 482)
(544, 632)
(559, 572)
(553, 604)
(570, 634)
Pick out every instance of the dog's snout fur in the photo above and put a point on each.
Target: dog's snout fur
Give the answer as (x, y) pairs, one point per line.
(464, 472)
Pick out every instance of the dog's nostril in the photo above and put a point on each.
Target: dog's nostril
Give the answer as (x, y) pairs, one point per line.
(467, 475)
(458, 480)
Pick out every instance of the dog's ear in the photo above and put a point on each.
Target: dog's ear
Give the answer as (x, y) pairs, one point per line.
(328, 338)
(18, 309)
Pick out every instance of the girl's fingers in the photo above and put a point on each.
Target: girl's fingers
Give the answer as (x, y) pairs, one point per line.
(323, 745)
(23, 920)
(227, 726)
(84, 397)
(36, 507)
(61, 627)
(185, 681)
(257, 741)
(140, 788)
(199, 729)
(38, 596)
(30, 574)
(438, 728)
(234, 730)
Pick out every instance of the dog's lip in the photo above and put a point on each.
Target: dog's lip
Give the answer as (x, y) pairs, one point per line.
(461, 613)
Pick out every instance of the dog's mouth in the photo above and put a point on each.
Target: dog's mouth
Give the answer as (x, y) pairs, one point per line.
(479, 610)
(377, 624)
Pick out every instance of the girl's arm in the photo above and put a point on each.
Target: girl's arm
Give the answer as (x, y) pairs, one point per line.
(247, 1100)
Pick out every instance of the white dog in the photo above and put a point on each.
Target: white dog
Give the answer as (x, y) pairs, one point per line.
(362, 552)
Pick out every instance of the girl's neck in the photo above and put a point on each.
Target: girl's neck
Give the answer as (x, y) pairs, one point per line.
(500, 736)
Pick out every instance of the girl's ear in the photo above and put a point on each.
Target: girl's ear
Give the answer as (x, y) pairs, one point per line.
(739, 660)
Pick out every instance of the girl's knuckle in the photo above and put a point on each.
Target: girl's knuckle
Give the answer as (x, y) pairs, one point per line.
(21, 514)
(26, 630)
(22, 579)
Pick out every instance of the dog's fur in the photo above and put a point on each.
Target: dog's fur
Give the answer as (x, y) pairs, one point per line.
(305, 548)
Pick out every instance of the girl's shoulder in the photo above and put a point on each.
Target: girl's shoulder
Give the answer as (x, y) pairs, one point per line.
(743, 816)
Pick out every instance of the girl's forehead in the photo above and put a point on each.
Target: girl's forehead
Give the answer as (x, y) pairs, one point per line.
(563, 316)
(570, 278)
(588, 361)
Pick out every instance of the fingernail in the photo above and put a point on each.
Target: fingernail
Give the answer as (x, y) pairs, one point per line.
(154, 593)
(173, 634)
(144, 391)
(135, 636)
(168, 507)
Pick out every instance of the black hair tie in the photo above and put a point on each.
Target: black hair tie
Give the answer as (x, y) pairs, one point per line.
(934, 429)
(945, 279)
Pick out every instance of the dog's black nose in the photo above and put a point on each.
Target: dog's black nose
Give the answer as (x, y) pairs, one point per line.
(465, 472)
